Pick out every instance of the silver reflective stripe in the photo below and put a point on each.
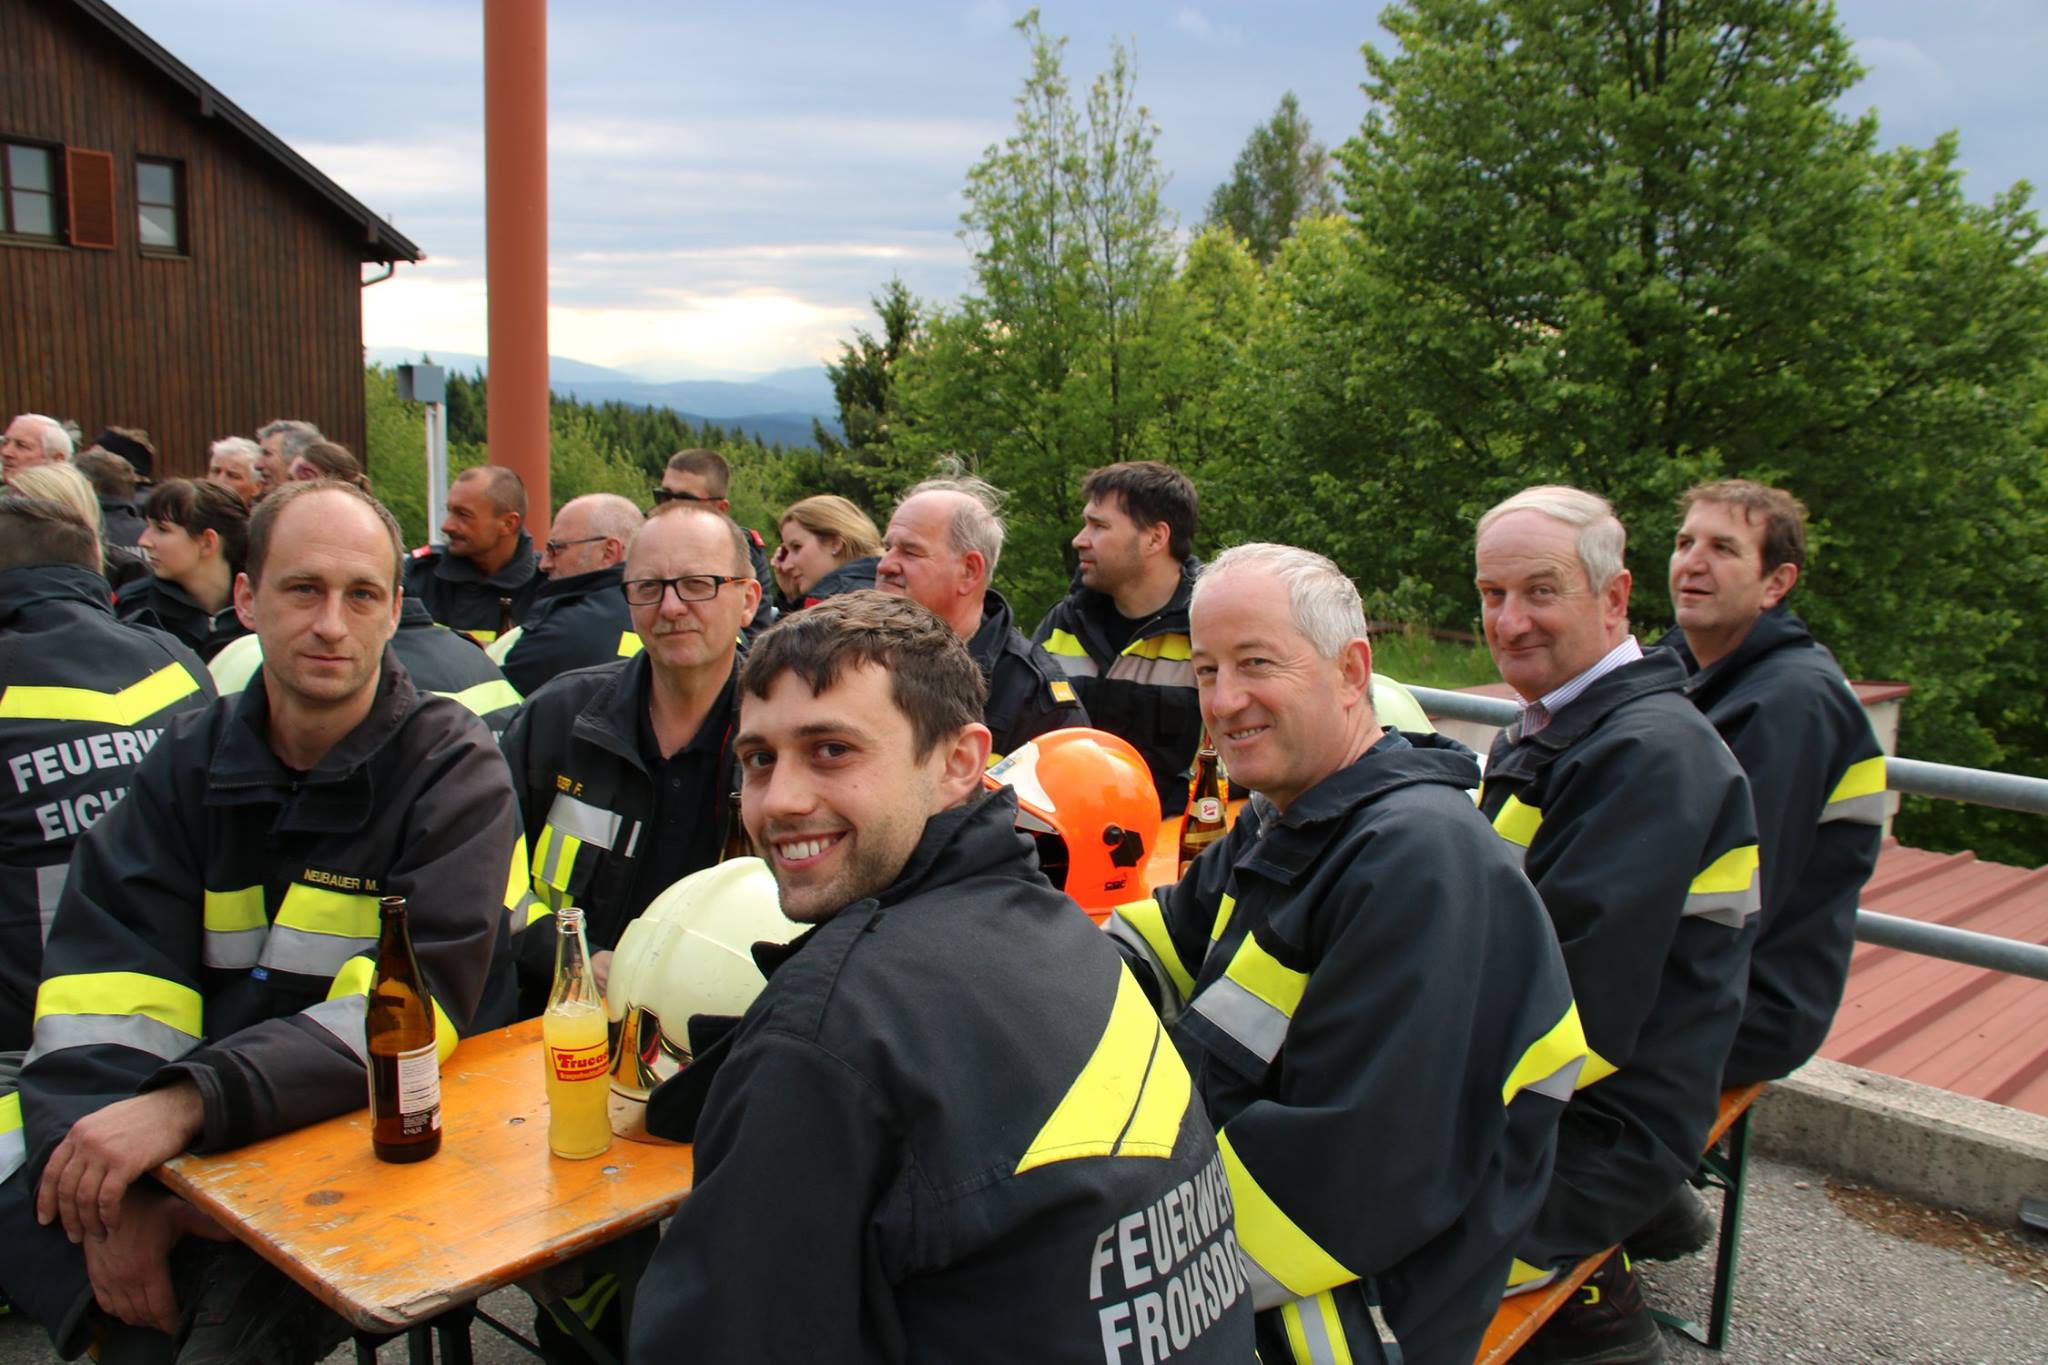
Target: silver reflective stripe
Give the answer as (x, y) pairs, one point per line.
(633, 839)
(55, 1032)
(49, 887)
(1314, 1332)
(1267, 1292)
(1560, 1084)
(551, 866)
(1075, 665)
(13, 1152)
(587, 822)
(1154, 672)
(1242, 1015)
(522, 913)
(309, 954)
(235, 949)
(1863, 810)
(344, 1018)
(1126, 933)
(1732, 908)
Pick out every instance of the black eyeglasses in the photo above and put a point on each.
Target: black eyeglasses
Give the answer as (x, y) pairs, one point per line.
(555, 547)
(690, 587)
(662, 495)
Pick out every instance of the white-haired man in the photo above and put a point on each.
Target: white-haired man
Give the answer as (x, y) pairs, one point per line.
(1358, 946)
(235, 463)
(1634, 821)
(34, 439)
(940, 551)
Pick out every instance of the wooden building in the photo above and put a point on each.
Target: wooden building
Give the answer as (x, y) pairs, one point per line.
(165, 261)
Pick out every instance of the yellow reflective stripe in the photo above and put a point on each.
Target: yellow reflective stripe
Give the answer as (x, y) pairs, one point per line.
(1148, 917)
(1862, 779)
(1517, 823)
(10, 1112)
(497, 649)
(482, 637)
(1271, 1238)
(1523, 1275)
(131, 993)
(1172, 646)
(13, 1142)
(1064, 642)
(1553, 1062)
(1597, 1068)
(629, 644)
(1128, 1099)
(515, 880)
(230, 912)
(1734, 870)
(1223, 909)
(486, 697)
(356, 977)
(1266, 977)
(134, 703)
(318, 910)
(1297, 1337)
(537, 910)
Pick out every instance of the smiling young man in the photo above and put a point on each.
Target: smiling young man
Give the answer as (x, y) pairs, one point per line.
(1359, 945)
(208, 965)
(1634, 822)
(1122, 634)
(940, 551)
(949, 1129)
(484, 576)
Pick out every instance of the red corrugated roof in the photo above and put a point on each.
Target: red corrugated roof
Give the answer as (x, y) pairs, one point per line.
(1962, 1029)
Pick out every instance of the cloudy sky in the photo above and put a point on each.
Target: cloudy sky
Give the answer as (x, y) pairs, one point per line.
(730, 182)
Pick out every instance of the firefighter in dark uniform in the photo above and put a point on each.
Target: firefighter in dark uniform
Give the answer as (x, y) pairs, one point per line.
(700, 475)
(1635, 824)
(483, 578)
(624, 771)
(580, 617)
(194, 540)
(82, 699)
(1121, 635)
(208, 968)
(439, 661)
(940, 551)
(950, 1124)
(1359, 945)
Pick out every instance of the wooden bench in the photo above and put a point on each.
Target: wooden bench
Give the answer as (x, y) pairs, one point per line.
(1520, 1315)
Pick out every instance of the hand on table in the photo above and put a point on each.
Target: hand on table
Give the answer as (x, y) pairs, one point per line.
(88, 1177)
(130, 1267)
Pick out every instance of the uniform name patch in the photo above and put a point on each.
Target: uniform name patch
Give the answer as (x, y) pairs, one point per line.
(1063, 692)
(1179, 1266)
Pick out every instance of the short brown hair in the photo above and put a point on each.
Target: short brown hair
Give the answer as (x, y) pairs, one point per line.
(263, 524)
(743, 562)
(111, 475)
(38, 531)
(707, 465)
(505, 489)
(335, 461)
(197, 507)
(1784, 516)
(933, 680)
(1150, 492)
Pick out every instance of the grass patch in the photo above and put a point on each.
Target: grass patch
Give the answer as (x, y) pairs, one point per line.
(1414, 657)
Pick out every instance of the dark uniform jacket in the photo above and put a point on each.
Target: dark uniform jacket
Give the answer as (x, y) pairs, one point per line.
(1144, 692)
(1637, 830)
(1028, 693)
(219, 927)
(82, 699)
(851, 576)
(764, 611)
(158, 602)
(1377, 1015)
(1817, 775)
(950, 1129)
(121, 522)
(574, 622)
(586, 796)
(460, 597)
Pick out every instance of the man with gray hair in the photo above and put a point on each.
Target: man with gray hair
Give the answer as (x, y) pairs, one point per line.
(235, 463)
(580, 617)
(34, 439)
(940, 551)
(1358, 945)
(278, 444)
(1634, 822)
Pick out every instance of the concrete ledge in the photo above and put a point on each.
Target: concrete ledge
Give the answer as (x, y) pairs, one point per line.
(1951, 1151)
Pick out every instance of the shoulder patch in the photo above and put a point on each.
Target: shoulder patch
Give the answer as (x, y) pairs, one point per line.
(422, 552)
(755, 536)
(1062, 691)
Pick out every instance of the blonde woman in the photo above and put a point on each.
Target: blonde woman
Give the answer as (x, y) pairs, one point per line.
(829, 546)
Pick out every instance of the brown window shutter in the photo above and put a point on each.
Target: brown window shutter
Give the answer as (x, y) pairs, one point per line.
(89, 180)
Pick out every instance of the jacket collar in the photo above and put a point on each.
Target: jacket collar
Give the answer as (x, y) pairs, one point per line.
(978, 838)
(992, 636)
(582, 585)
(611, 718)
(1291, 841)
(1659, 670)
(1774, 630)
(1095, 608)
(514, 574)
(413, 613)
(27, 586)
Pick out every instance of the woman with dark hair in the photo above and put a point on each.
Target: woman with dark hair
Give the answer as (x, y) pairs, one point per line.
(326, 460)
(195, 537)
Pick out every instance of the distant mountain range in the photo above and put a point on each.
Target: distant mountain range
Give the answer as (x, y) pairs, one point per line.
(776, 406)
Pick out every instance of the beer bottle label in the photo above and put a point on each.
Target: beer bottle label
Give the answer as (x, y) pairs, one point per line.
(419, 1090)
(1209, 810)
(580, 1063)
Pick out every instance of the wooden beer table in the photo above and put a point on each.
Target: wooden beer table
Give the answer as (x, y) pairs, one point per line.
(390, 1247)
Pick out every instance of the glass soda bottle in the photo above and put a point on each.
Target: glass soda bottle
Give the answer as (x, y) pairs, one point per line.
(575, 1047)
(405, 1069)
(1203, 825)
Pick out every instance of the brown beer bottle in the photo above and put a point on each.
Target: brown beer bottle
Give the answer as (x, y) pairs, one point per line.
(1203, 824)
(505, 621)
(737, 845)
(405, 1070)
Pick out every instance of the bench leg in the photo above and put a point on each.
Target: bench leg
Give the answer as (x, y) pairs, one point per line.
(1725, 1171)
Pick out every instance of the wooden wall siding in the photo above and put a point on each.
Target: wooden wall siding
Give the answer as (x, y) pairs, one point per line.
(262, 319)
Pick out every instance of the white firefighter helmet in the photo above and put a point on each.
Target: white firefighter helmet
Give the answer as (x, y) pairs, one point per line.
(690, 952)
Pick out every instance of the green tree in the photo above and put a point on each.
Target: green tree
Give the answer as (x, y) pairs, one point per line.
(859, 466)
(1281, 177)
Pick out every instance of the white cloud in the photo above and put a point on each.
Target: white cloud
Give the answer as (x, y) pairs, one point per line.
(1203, 29)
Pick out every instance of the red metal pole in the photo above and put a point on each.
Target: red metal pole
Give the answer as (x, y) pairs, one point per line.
(516, 243)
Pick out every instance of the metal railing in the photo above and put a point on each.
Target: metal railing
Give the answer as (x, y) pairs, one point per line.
(1910, 776)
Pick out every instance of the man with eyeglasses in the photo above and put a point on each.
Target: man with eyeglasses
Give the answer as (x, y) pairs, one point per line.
(580, 617)
(701, 475)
